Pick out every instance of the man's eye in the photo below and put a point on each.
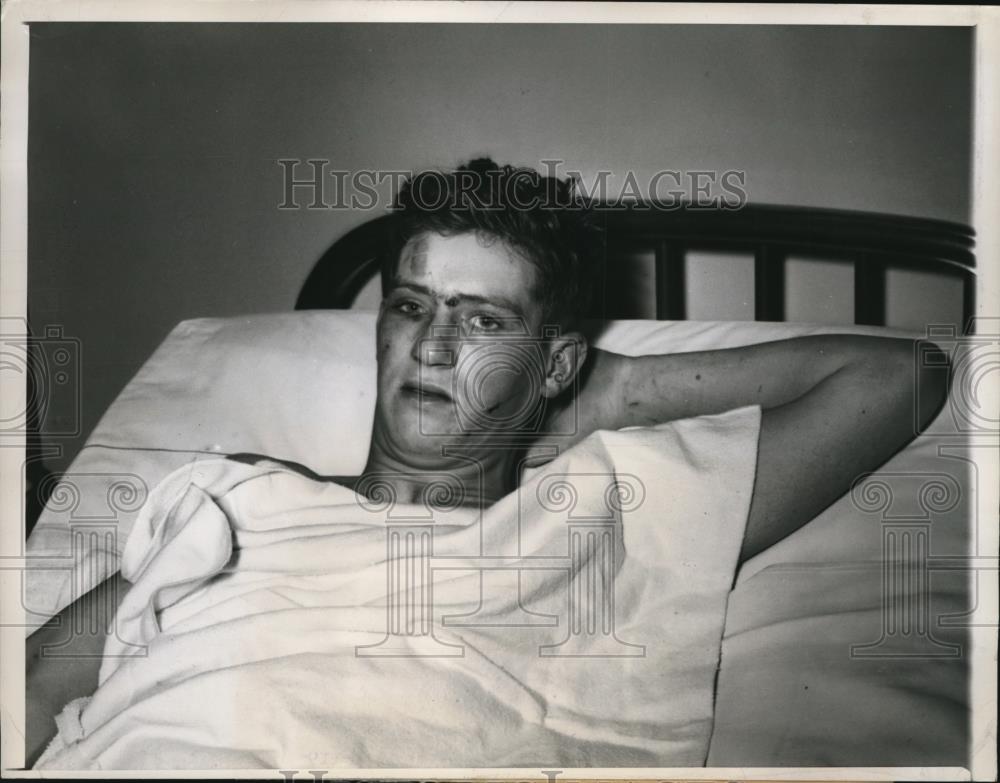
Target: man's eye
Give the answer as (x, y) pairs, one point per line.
(407, 307)
(485, 323)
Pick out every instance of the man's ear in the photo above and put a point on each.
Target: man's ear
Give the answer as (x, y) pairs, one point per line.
(567, 353)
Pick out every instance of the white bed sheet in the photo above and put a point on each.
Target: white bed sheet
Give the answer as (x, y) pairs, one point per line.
(258, 592)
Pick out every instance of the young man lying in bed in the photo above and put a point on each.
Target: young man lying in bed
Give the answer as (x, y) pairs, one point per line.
(483, 371)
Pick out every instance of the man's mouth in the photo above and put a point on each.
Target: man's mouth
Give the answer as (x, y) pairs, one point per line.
(426, 392)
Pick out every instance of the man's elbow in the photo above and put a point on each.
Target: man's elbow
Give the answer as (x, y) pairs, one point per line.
(910, 375)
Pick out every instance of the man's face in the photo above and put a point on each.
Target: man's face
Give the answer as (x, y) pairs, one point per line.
(458, 351)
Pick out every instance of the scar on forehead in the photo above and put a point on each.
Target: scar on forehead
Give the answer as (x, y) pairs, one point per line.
(416, 254)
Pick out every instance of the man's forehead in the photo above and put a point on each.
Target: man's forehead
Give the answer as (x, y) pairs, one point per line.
(466, 266)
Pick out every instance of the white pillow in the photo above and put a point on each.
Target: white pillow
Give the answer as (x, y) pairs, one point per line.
(296, 386)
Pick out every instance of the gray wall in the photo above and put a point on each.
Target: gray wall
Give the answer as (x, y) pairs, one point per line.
(154, 186)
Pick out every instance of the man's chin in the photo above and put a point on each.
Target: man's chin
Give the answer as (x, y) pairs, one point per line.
(426, 434)
(426, 437)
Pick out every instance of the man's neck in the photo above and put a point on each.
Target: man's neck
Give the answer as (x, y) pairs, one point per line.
(479, 475)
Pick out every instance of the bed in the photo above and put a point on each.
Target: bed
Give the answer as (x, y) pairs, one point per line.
(844, 645)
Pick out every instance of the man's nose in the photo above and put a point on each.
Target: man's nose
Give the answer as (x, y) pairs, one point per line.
(438, 346)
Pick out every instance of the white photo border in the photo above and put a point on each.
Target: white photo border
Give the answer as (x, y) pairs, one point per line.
(13, 292)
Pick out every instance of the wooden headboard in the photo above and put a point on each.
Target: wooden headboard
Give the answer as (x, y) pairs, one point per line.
(874, 243)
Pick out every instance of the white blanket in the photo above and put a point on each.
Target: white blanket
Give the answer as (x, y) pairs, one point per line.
(256, 631)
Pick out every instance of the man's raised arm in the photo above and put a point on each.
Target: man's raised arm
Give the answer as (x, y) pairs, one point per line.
(834, 407)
